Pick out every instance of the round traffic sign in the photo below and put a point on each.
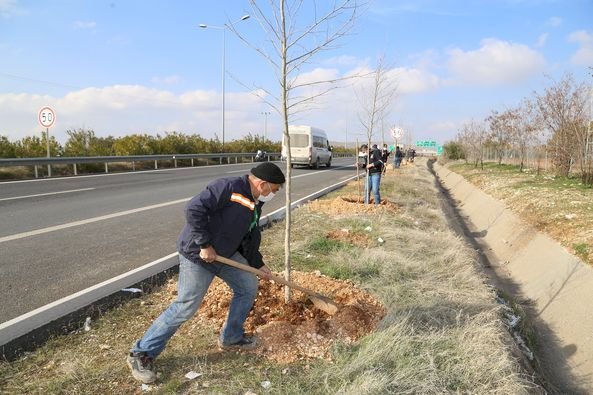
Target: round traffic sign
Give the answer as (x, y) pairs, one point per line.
(397, 133)
(46, 117)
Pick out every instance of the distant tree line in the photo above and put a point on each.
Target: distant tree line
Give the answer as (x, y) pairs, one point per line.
(554, 125)
(84, 142)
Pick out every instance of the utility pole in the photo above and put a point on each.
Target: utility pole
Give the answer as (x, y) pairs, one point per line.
(265, 114)
(223, 28)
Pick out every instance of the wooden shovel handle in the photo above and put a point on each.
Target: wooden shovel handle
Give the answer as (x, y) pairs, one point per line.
(253, 270)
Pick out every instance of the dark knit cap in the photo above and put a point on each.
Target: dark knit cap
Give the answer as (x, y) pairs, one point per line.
(269, 172)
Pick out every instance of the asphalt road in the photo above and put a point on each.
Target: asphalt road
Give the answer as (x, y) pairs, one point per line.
(59, 236)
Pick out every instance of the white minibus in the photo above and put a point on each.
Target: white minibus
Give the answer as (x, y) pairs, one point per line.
(308, 146)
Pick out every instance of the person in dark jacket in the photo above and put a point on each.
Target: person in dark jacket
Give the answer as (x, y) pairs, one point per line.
(385, 153)
(363, 156)
(384, 156)
(375, 168)
(399, 155)
(222, 220)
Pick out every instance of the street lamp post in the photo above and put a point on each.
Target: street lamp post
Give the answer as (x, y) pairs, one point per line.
(265, 114)
(223, 28)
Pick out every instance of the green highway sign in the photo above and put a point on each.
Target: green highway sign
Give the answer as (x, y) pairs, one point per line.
(426, 143)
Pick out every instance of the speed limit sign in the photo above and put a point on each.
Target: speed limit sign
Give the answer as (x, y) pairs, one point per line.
(46, 117)
(397, 133)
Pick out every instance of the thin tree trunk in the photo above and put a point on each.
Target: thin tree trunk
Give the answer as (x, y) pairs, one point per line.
(357, 173)
(287, 265)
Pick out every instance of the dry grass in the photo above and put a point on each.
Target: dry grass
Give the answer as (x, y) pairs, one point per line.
(561, 207)
(442, 332)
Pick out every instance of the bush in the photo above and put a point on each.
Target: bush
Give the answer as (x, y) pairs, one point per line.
(453, 150)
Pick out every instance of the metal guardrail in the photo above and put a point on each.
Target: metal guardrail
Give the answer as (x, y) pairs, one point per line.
(227, 158)
(131, 158)
(76, 160)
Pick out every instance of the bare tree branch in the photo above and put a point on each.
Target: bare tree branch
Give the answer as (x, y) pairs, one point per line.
(293, 48)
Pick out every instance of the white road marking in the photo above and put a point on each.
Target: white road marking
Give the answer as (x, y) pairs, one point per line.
(88, 221)
(131, 172)
(36, 232)
(46, 194)
(25, 323)
(322, 171)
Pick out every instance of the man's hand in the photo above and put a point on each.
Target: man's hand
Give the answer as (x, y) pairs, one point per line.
(267, 272)
(208, 254)
(371, 165)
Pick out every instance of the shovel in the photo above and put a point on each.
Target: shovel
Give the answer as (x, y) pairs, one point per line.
(321, 302)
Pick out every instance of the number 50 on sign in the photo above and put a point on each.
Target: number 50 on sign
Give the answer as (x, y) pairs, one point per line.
(46, 117)
(397, 133)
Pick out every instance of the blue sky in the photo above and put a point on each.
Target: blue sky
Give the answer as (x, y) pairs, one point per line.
(144, 66)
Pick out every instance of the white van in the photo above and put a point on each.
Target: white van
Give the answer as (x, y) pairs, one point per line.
(308, 146)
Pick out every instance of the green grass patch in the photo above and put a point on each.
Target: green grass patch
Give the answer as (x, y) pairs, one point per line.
(323, 265)
(555, 183)
(488, 166)
(325, 245)
(581, 249)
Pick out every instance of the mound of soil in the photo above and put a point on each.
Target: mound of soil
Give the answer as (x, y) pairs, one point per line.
(352, 238)
(298, 330)
(351, 205)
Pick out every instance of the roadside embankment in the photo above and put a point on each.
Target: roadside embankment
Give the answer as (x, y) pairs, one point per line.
(554, 287)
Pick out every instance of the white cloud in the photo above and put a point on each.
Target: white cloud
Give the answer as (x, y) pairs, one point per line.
(338, 111)
(496, 62)
(344, 100)
(555, 21)
(541, 40)
(124, 109)
(80, 25)
(414, 80)
(315, 83)
(584, 55)
(316, 75)
(9, 8)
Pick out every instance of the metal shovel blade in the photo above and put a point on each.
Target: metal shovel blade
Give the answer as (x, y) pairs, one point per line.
(321, 302)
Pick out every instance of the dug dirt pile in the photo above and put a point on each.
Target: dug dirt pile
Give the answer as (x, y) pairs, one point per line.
(351, 205)
(298, 330)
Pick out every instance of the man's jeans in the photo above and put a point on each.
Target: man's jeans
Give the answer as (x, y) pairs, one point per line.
(374, 182)
(194, 280)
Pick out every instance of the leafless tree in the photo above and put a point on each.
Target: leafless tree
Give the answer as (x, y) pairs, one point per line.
(376, 98)
(296, 31)
(473, 135)
(375, 101)
(563, 110)
(502, 127)
(528, 128)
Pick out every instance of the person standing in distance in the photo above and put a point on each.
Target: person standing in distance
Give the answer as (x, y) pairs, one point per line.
(375, 168)
(384, 156)
(221, 220)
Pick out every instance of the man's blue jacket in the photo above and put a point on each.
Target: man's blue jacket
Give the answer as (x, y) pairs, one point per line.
(226, 215)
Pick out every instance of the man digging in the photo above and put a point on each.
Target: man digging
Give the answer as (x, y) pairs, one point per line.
(222, 220)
